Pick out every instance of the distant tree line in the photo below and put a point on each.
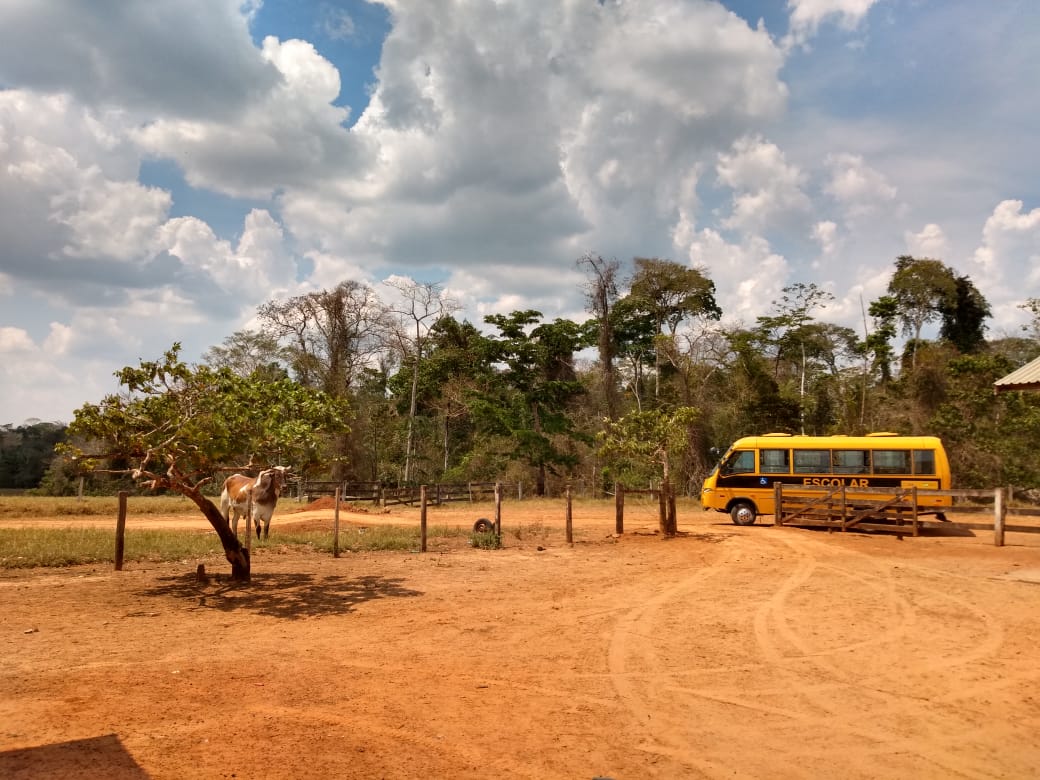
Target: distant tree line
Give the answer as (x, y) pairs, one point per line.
(433, 398)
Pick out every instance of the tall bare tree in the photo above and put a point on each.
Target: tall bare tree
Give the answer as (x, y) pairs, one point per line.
(670, 293)
(418, 306)
(601, 293)
(328, 337)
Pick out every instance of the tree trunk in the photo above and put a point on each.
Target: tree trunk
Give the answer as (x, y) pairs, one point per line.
(236, 554)
(412, 406)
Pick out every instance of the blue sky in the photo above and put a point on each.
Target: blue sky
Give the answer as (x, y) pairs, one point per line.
(167, 167)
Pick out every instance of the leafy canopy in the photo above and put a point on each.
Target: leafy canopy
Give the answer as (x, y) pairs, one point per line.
(175, 424)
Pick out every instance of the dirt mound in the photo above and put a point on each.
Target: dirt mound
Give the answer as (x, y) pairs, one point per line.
(329, 502)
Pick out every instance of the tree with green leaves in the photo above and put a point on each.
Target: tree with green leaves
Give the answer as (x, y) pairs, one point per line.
(796, 341)
(964, 314)
(248, 352)
(535, 388)
(883, 312)
(670, 293)
(919, 287)
(175, 425)
(419, 307)
(642, 443)
(457, 370)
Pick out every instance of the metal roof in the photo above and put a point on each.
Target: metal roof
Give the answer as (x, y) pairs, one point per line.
(1025, 378)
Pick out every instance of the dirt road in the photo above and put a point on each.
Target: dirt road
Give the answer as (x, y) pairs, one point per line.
(752, 652)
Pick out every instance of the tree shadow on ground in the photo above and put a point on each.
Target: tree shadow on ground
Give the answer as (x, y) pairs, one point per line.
(287, 596)
(98, 757)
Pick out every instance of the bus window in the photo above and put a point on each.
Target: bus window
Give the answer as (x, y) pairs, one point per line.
(740, 462)
(851, 461)
(891, 461)
(812, 461)
(924, 461)
(775, 461)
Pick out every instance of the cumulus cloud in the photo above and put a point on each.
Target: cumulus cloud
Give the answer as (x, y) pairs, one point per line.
(858, 188)
(292, 135)
(765, 186)
(190, 57)
(748, 275)
(15, 340)
(930, 241)
(546, 112)
(1006, 265)
(825, 234)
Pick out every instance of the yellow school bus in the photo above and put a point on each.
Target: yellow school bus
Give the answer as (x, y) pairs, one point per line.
(742, 483)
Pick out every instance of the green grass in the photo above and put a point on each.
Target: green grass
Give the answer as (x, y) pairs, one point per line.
(54, 547)
(30, 547)
(48, 506)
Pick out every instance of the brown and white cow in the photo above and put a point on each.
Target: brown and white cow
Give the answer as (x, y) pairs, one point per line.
(264, 490)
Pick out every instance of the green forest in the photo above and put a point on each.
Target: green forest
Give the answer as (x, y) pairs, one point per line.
(650, 383)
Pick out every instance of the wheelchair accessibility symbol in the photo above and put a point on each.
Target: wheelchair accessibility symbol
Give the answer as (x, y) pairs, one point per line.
(763, 481)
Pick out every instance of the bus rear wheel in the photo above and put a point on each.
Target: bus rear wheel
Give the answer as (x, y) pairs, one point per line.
(742, 513)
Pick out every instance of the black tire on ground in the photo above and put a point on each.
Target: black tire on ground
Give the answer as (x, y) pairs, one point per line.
(483, 526)
(742, 513)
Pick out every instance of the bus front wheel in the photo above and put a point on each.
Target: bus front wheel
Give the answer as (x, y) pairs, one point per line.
(743, 513)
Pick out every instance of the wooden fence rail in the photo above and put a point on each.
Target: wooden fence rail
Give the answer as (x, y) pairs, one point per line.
(899, 510)
(386, 495)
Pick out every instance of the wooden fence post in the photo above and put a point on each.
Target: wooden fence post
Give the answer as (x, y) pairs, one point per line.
(619, 508)
(778, 503)
(422, 518)
(498, 509)
(999, 512)
(335, 526)
(121, 530)
(570, 518)
(249, 525)
(673, 520)
(662, 509)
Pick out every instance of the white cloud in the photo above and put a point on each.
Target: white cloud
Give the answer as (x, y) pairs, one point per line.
(59, 339)
(748, 276)
(766, 187)
(1006, 265)
(859, 189)
(825, 234)
(291, 136)
(807, 16)
(929, 242)
(190, 57)
(519, 113)
(15, 340)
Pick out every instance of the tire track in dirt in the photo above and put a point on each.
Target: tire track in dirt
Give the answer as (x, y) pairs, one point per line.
(630, 645)
(884, 696)
(815, 686)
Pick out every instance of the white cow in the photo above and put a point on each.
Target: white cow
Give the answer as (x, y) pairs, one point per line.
(264, 491)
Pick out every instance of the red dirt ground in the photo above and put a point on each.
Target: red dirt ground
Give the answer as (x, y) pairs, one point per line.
(755, 652)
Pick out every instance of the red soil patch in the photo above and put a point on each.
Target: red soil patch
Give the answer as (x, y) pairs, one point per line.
(726, 652)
